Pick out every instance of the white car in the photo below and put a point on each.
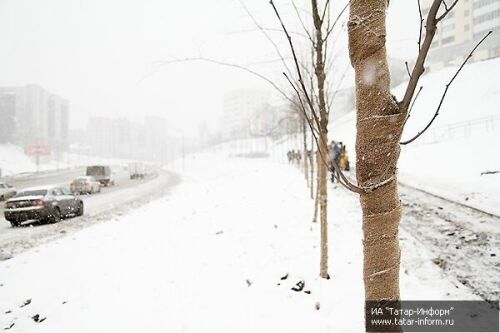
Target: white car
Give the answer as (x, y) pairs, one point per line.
(6, 191)
(85, 185)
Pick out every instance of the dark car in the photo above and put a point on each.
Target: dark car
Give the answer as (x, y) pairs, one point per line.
(45, 204)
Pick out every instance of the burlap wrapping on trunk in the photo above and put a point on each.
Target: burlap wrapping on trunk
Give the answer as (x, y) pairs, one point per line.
(379, 152)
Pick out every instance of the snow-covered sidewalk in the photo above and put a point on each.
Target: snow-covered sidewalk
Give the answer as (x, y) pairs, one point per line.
(209, 258)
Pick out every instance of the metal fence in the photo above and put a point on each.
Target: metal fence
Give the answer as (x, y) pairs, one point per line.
(460, 130)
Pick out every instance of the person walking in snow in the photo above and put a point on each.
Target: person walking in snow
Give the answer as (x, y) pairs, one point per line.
(344, 159)
(298, 156)
(335, 157)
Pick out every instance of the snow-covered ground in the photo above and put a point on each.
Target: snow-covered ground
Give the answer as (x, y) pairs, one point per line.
(461, 144)
(13, 160)
(209, 258)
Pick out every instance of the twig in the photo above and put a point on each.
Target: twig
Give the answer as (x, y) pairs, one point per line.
(250, 30)
(221, 63)
(418, 69)
(447, 9)
(412, 104)
(324, 11)
(276, 48)
(446, 91)
(330, 102)
(302, 23)
(303, 109)
(297, 66)
(421, 25)
(490, 172)
(415, 99)
(330, 29)
(407, 69)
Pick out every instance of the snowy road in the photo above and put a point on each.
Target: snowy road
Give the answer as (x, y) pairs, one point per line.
(98, 207)
(465, 243)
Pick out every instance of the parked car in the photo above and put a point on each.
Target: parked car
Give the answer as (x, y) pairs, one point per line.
(46, 204)
(6, 191)
(102, 173)
(85, 185)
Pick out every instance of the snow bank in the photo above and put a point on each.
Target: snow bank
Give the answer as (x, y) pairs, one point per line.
(209, 258)
(13, 161)
(461, 144)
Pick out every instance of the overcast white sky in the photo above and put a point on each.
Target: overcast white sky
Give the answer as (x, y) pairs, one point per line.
(100, 54)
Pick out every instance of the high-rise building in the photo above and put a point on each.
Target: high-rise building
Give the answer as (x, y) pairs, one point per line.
(461, 29)
(239, 108)
(7, 117)
(30, 115)
(155, 137)
(99, 136)
(122, 138)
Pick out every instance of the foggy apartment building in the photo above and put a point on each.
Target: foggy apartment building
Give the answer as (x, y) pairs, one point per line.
(156, 139)
(264, 121)
(117, 138)
(32, 115)
(460, 31)
(122, 138)
(99, 136)
(239, 108)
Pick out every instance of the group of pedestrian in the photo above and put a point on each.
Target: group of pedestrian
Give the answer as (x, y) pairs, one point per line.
(338, 154)
(294, 157)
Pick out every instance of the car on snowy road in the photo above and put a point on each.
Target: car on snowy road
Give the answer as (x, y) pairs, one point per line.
(47, 204)
(6, 191)
(85, 185)
(102, 173)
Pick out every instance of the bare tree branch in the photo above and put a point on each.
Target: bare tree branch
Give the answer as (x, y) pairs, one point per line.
(415, 99)
(330, 29)
(345, 182)
(265, 62)
(325, 10)
(302, 23)
(297, 66)
(303, 109)
(315, 116)
(338, 88)
(447, 9)
(276, 48)
(412, 104)
(421, 26)
(446, 91)
(418, 69)
(407, 69)
(221, 63)
(268, 30)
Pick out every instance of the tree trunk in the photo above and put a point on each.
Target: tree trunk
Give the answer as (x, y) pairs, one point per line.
(304, 154)
(379, 126)
(311, 165)
(323, 137)
(323, 205)
(316, 197)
